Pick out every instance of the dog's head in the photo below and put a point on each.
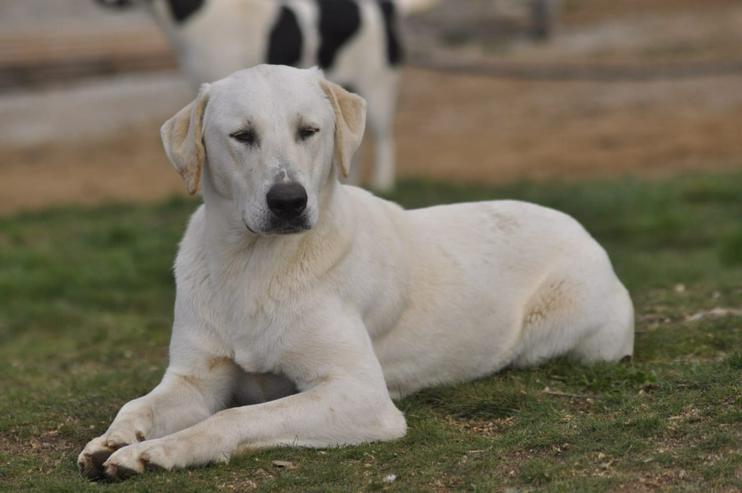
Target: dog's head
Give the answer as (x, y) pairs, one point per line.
(267, 141)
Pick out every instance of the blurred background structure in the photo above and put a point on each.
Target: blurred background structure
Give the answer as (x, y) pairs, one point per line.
(643, 87)
(632, 86)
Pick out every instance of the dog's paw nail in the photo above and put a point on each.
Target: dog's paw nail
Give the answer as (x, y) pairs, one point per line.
(140, 436)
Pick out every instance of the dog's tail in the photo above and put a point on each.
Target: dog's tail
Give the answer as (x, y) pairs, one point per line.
(413, 6)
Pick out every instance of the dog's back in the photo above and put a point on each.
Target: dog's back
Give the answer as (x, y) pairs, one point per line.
(502, 283)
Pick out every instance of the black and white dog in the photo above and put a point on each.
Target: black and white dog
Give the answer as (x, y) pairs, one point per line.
(355, 42)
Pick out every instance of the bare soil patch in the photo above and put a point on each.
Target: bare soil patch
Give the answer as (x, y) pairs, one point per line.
(448, 128)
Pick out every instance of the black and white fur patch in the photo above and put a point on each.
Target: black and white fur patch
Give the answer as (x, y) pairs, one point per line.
(393, 46)
(285, 43)
(339, 20)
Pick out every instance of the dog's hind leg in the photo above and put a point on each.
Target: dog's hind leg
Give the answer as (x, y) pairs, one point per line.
(612, 340)
(567, 316)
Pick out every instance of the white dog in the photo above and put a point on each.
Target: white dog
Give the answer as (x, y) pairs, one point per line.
(310, 304)
(356, 43)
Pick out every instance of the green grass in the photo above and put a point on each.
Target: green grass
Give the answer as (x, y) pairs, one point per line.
(86, 302)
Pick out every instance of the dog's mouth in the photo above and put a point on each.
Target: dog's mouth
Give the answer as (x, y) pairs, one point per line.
(283, 227)
(248, 226)
(278, 226)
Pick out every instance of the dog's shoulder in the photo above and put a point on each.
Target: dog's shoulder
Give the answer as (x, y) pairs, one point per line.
(371, 211)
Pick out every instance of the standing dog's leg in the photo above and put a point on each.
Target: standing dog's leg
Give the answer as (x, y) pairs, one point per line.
(383, 175)
(344, 401)
(382, 101)
(182, 399)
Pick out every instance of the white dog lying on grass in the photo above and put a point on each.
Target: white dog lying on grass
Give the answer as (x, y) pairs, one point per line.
(309, 305)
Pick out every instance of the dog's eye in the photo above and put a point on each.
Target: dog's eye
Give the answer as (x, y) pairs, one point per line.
(246, 136)
(306, 132)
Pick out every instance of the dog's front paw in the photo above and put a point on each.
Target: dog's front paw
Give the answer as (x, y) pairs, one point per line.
(98, 450)
(134, 459)
(91, 459)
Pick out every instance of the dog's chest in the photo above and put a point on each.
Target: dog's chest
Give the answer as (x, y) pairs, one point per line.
(250, 316)
(253, 300)
(248, 334)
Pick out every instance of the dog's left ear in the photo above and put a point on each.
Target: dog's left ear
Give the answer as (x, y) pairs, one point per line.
(350, 122)
(182, 137)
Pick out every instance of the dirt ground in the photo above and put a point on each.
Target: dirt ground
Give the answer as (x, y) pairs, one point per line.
(97, 140)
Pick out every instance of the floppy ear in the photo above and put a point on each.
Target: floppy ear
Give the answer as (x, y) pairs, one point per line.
(182, 137)
(350, 122)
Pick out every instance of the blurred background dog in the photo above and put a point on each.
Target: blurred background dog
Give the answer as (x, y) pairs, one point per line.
(355, 42)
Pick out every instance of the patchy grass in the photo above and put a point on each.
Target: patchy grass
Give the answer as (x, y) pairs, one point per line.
(84, 323)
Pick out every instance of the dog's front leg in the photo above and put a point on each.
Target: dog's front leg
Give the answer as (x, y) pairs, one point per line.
(180, 400)
(332, 414)
(344, 400)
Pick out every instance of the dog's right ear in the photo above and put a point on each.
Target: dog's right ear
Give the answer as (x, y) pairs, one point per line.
(182, 138)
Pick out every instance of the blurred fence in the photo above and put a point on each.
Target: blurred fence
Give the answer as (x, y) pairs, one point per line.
(47, 57)
(50, 58)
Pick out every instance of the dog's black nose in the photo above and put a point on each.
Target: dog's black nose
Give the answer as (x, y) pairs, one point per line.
(287, 200)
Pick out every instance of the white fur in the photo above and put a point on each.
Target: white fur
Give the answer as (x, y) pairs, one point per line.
(372, 303)
(228, 35)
